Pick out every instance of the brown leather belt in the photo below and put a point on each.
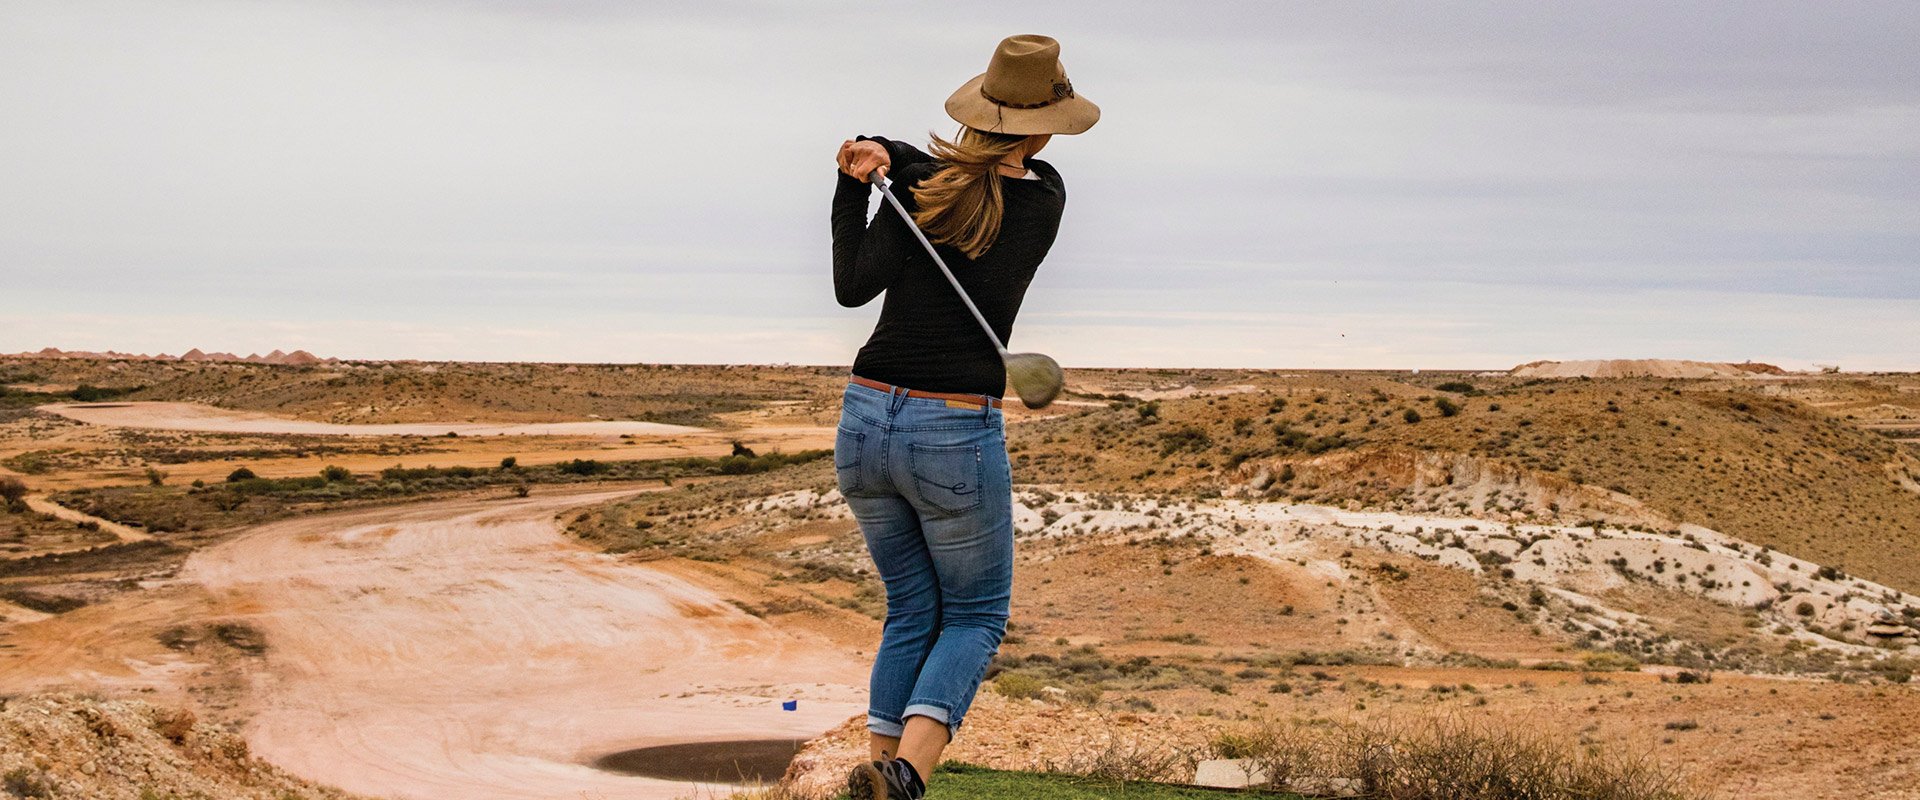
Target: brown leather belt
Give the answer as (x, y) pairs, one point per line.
(951, 397)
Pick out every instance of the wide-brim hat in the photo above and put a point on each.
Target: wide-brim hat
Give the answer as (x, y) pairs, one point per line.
(1024, 91)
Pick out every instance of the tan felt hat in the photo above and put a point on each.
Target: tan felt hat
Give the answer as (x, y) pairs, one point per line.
(1024, 91)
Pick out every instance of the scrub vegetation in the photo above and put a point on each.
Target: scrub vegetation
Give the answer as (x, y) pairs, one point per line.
(245, 499)
(1157, 620)
(1753, 459)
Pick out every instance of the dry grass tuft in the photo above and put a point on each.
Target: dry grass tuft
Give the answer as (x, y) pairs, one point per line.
(1117, 757)
(1445, 759)
(773, 792)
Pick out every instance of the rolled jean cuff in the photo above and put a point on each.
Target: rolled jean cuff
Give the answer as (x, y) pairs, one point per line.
(885, 726)
(936, 713)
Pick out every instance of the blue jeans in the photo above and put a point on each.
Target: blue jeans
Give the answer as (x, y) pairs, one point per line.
(930, 484)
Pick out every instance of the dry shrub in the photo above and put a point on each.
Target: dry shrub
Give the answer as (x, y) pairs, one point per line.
(13, 492)
(775, 792)
(1448, 759)
(1119, 757)
(1017, 685)
(102, 725)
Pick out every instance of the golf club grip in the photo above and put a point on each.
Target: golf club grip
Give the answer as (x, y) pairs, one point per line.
(883, 183)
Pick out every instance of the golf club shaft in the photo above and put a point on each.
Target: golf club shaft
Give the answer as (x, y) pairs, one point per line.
(883, 183)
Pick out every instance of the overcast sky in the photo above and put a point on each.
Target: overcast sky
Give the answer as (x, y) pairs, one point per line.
(1332, 184)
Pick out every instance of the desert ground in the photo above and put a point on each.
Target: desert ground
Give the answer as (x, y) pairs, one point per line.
(427, 580)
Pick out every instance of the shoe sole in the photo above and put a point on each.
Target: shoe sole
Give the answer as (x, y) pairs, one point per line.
(866, 783)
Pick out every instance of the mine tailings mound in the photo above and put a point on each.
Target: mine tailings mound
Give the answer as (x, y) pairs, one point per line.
(60, 745)
(1643, 368)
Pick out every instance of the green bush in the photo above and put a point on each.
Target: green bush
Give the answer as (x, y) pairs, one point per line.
(1187, 438)
(1289, 439)
(336, 474)
(1017, 685)
(1228, 744)
(1607, 661)
(241, 474)
(43, 603)
(95, 394)
(35, 462)
(582, 466)
(13, 491)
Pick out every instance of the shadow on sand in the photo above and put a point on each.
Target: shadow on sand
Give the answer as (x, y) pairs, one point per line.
(744, 761)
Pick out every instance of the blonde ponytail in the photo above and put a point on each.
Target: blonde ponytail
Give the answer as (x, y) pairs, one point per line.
(961, 204)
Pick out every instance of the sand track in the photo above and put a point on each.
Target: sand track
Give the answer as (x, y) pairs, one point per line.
(464, 648)
(44, 505)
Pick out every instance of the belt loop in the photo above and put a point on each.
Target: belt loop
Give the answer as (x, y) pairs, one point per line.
(896, 397)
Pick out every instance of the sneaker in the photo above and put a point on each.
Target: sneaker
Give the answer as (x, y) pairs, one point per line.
(883, 780)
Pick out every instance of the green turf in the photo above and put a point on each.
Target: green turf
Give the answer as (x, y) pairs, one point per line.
(957, 781)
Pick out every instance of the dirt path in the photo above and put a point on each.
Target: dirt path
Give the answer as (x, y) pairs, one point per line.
(209, 419)
(45, 506)
(460, 648)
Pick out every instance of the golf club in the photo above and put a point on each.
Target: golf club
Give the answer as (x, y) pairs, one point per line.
(1035, 377)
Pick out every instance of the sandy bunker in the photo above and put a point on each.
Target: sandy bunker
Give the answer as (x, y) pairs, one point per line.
(468, 648)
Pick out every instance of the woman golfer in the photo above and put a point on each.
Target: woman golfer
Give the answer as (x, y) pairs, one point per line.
(921, 450)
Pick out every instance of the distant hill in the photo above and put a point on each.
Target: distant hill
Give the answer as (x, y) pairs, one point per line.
(352, 391)
(275, 357)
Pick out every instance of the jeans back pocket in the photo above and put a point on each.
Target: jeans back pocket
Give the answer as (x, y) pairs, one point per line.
(847, 445)
(947, 476)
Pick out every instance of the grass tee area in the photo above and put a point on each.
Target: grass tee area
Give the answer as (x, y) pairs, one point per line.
(954, 781)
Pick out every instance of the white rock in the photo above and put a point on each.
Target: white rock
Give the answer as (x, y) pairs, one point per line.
(1229, 773)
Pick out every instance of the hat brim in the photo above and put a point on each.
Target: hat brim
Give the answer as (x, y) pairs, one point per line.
(969, 107)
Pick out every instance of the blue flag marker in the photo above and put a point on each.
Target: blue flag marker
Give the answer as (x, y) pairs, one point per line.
(790, 705)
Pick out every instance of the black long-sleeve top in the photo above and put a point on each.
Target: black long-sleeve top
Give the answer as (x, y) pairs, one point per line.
(925, 338)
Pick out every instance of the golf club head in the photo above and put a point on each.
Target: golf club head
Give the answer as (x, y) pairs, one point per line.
(1036, 378)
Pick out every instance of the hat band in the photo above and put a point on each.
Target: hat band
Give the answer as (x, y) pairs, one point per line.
(1062, 89)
